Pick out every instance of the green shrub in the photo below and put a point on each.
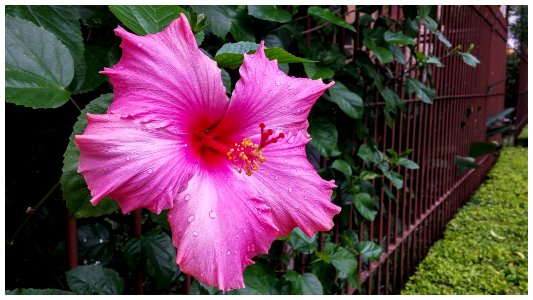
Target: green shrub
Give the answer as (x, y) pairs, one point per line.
(484, 249)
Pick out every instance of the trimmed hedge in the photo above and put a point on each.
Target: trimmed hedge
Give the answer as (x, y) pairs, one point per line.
(484, 249)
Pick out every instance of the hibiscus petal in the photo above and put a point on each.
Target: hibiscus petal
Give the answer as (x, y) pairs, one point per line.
(290, 185)
(133, 164)
(218, 227)
(164, 78)
(264, 94)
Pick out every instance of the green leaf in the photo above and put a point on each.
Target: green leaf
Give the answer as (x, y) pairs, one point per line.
(370, 155)
(313, 71)
(96, 58)
(324, 134)
(269, 13)
(199, 37)
(443, 39)
(300, 242)
(384, 55)
(395, 178)
(38, 292)
(344, 261)
(94, 280)
(482, 148)
(397, 53)
(259, 279)
(63, 22)
(220, 17)
(498, 117)
(94, 243)
(75, 191)
(499, 130)
(241, 27)
(329, 16)
(369, 250)
(156, 255)
(349, 102)
(424, 10)
(392, 100)
(397, 38)
(226, 80)
(469, 59)
(365, 205)
(368, 175)
(145, 19)
(231, 55)
(409, 164)
(424, 93)
(466, 162)
(304, 284)
(435, 60)
(366, 153)
(38, 66)
(342, 166)
(430, 24)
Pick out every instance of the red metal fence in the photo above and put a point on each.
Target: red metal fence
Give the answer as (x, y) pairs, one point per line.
(406, 227)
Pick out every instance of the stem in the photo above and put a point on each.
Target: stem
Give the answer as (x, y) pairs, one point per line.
(31, 211)
(72, 241)
(75, 104)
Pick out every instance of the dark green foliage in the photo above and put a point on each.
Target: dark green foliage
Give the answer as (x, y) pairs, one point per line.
(94, 280)
(485, 247)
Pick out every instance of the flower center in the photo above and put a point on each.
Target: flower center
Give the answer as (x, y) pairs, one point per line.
(246, 155)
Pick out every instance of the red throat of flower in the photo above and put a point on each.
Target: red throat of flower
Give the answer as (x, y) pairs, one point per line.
(245, 156)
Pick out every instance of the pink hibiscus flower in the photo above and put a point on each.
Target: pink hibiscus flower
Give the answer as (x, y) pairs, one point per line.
(233, 173)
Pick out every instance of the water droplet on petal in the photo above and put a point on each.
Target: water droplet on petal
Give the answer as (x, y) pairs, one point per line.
(291, 140)
(190, 218)
(187, 197)
(280, 72)
(278, 83)
(228, 253)
(128, 157)
(290, 190)
(235, 252)
(212, 214)
(140, 45)
(277, 177)
(185, 145)
(195, 233)
(257, 81)
(305, 197)
(150, 171)
(244, 231)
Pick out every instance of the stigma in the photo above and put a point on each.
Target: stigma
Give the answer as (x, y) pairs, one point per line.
(247, 155)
